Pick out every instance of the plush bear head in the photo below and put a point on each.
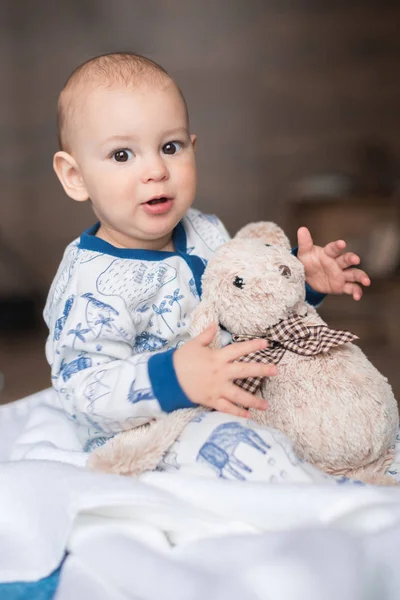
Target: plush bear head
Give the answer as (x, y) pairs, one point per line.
(252, 282)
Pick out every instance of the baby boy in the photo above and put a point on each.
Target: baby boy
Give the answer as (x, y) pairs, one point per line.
(119, 308)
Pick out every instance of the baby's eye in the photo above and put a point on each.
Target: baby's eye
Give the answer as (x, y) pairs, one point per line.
(171, 147)
(122, 155)
(238, 282)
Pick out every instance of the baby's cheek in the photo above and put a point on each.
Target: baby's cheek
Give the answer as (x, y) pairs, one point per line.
(187, 176)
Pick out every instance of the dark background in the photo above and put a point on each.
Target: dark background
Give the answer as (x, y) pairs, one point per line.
(296, 105)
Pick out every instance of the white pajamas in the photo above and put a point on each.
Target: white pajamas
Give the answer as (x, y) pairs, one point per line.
(116, 316)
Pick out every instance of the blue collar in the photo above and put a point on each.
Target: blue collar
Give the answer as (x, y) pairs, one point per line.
(89, 241)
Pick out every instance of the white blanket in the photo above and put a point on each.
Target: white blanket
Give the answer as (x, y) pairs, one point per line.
(167, 535)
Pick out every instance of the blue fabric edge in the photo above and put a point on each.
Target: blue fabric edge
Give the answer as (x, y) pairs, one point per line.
(89, 241)
(42, 589)
(165, 383)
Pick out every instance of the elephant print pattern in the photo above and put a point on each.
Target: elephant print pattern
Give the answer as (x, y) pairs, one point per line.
(219, 449)
(219, 445)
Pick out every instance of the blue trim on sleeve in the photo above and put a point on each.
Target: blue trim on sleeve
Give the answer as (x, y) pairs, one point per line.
(312, 297)
(165, 383)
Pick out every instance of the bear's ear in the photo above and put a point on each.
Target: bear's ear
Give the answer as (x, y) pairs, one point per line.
(267, 232)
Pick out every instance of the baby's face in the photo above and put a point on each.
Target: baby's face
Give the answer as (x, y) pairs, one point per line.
(136, 158)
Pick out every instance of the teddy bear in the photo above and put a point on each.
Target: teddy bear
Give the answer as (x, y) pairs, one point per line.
(337, 409)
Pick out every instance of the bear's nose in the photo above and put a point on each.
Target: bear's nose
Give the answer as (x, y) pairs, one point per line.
(285, 271)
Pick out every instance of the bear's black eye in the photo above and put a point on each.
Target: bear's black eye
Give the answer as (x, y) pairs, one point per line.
(285, 271)
(238, 281)
(268, 245)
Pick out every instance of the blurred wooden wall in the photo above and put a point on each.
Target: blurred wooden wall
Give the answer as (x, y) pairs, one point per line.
(276, 90)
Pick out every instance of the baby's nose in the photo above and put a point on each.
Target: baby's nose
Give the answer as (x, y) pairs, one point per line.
(154, 169)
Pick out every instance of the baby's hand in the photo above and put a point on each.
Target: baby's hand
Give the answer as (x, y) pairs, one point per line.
(329, 270)
(206, 375)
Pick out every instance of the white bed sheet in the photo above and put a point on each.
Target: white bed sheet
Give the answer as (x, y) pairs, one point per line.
(165, 535)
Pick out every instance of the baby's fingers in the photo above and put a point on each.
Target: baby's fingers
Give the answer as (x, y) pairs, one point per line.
(235, 351)
(353, 289)
(356, 275)
(348, 259)
(241, 370)
(227, 407)
(335, 249)
(237, 395)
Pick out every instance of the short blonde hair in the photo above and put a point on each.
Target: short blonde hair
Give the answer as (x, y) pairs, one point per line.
(118, 68)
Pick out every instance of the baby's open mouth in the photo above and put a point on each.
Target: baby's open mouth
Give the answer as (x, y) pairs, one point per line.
(157, 200)
(158, 206)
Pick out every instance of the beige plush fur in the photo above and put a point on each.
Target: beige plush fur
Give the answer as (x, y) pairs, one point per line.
(141, 449)
(338, 410)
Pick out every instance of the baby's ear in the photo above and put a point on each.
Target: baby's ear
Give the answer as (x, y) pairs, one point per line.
(203, 316)
(68, 173)
(267, 232)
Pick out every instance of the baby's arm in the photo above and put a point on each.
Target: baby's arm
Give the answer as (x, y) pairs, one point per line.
(106, 388)
(103, 380)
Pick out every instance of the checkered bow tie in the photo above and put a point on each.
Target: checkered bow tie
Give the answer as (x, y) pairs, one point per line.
(293, 335)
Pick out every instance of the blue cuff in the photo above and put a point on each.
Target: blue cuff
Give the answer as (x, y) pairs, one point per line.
(312, 297)
(165, 383)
